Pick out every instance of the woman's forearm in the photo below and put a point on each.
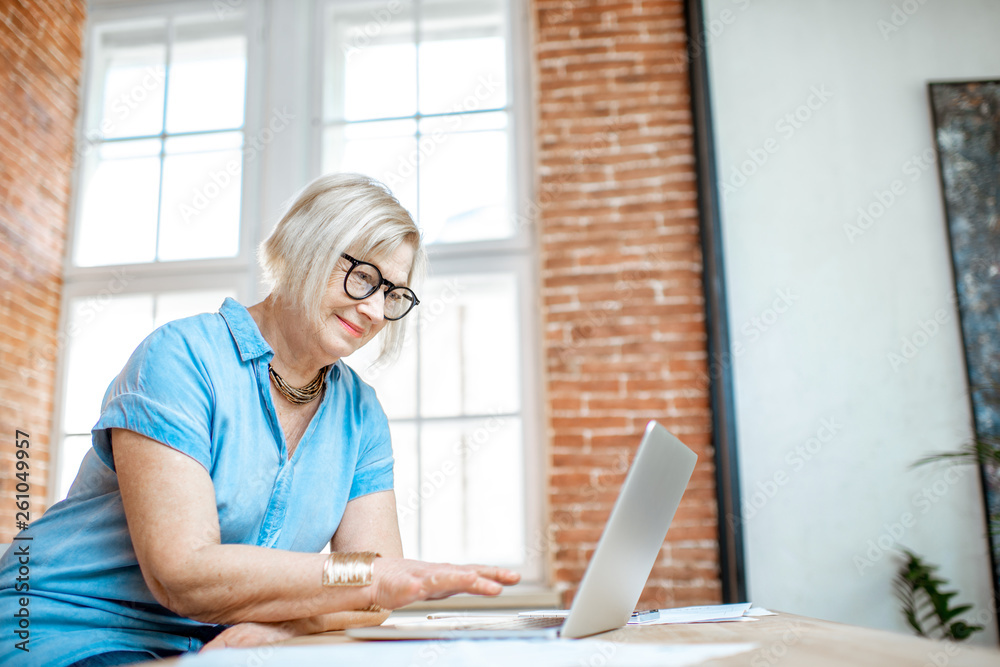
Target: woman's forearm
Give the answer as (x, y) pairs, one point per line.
(340, 620)
(229, 584)
(169, 503)
(259, 634)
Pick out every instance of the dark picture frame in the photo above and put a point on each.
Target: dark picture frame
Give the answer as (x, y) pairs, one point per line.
(966, 121)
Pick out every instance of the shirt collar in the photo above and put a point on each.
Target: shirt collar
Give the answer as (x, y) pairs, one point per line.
(244, 330)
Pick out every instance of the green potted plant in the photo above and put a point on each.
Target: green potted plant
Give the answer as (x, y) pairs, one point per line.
(925, 604)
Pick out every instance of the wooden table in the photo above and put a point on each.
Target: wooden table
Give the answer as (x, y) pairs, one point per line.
(783, 640)
(787, 639)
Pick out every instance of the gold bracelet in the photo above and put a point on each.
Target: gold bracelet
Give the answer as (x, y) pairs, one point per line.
(372, 607)
(349, 568)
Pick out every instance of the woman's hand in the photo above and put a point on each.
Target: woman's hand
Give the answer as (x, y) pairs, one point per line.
(398, 582)
(245, 635)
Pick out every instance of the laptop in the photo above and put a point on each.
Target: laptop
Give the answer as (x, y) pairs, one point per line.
(618, 570)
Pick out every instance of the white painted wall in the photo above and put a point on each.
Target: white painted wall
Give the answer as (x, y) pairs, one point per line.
(827, 424)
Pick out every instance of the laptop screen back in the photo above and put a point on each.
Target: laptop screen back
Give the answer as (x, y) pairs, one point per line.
(632, 538)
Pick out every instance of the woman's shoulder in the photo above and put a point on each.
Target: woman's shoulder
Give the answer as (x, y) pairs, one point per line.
(342, 373)
(195, 324)
(348, 378)
(361, 401)
(199, 345)
(205, 331)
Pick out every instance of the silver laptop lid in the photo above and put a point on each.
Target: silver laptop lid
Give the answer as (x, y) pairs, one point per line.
(633, 536)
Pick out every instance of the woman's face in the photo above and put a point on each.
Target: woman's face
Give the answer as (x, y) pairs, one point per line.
(347, 324)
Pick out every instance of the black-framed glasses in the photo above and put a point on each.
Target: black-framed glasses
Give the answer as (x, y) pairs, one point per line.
(364, 279)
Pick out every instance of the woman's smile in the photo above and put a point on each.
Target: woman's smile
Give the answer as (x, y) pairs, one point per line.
(352, 329)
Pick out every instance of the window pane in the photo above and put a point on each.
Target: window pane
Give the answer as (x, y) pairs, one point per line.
(202, 182)
(175, 305)
(74, 448)
(462, 56)
(470, 122)
(463, 183)
(371, 62)
(386, 151)
(117, 222)
(406, 483)
(472, 491)
(395, 383)
(129, 65)
(207, 75)
(462, 75)
(102, 331)
(454, 408)
(469, 345)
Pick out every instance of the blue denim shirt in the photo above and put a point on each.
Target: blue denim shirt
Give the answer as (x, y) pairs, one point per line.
(199, 385)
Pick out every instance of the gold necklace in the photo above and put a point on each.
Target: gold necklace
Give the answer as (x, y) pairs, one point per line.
(303, 395)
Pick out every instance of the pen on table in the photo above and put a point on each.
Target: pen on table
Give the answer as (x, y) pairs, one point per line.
(460, 614)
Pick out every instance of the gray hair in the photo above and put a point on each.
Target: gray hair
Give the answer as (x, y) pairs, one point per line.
(334, 214)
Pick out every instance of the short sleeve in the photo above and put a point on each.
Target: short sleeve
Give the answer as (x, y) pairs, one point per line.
(163, 393)
(374, 468)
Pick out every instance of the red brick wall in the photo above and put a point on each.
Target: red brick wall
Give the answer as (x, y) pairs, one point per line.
(40, 51)
(622, 301)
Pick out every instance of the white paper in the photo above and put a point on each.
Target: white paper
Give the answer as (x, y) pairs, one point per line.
(704, 614)
(462, 653)
(759, 611)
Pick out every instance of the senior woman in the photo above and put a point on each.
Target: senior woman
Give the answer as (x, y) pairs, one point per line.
(230, 450)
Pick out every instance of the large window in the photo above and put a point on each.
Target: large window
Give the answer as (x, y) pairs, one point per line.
(164, 133)
(418, 95)
(177, 172)
(159, 223)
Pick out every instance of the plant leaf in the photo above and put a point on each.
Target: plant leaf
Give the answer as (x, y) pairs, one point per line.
(925, 604)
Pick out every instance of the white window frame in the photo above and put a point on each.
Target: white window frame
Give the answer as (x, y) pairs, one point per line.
(156, 277)
(515, 254)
